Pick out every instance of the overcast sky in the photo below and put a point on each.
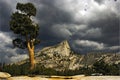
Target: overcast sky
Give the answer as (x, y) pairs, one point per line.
(88, 25)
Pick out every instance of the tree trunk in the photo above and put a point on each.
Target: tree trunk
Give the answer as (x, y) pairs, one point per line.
(31, 55)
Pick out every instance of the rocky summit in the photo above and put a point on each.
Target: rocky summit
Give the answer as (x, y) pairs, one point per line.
(62, 49)
(60, 57)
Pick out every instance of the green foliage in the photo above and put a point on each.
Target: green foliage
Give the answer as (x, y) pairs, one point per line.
(20, 43)
(106, 69)
(114, 69)
(27, 8)
(22, 24)
(98, 67)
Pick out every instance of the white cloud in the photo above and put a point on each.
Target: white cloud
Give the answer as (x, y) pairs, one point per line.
(91, 44)
(61, 31)
(90, 33)
(114, 47)
(93, 32)
(18, 57)
(67, 30)
(5, 38)
(7, 52)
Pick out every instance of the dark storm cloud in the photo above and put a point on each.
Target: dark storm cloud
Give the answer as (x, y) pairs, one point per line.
(109, 29)
(7, 52)
(49, 15)
(5, 12)
(102, 33)
(88, 25)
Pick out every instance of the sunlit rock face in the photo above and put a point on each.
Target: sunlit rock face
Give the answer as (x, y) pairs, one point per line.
(62, 49)
(4, 75)
(60, 57)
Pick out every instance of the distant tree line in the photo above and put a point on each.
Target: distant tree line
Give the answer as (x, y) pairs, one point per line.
(99, 67)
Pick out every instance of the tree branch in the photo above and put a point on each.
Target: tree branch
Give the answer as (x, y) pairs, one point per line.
(32, 43)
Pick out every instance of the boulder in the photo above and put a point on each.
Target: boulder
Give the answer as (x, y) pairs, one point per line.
(4, 75)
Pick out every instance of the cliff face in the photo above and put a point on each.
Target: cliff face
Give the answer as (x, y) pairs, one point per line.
(61, 49)
(60, 57)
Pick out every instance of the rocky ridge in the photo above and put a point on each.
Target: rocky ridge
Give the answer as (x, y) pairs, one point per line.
(60, 57)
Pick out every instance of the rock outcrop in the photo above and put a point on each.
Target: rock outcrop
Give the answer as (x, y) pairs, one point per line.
(4, 75)
(62, 49)
(60, 57)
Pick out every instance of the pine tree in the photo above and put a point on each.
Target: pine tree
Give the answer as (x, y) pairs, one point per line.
(22, 24)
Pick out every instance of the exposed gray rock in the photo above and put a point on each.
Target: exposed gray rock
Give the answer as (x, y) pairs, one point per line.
(60, 57)
(62, 49)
